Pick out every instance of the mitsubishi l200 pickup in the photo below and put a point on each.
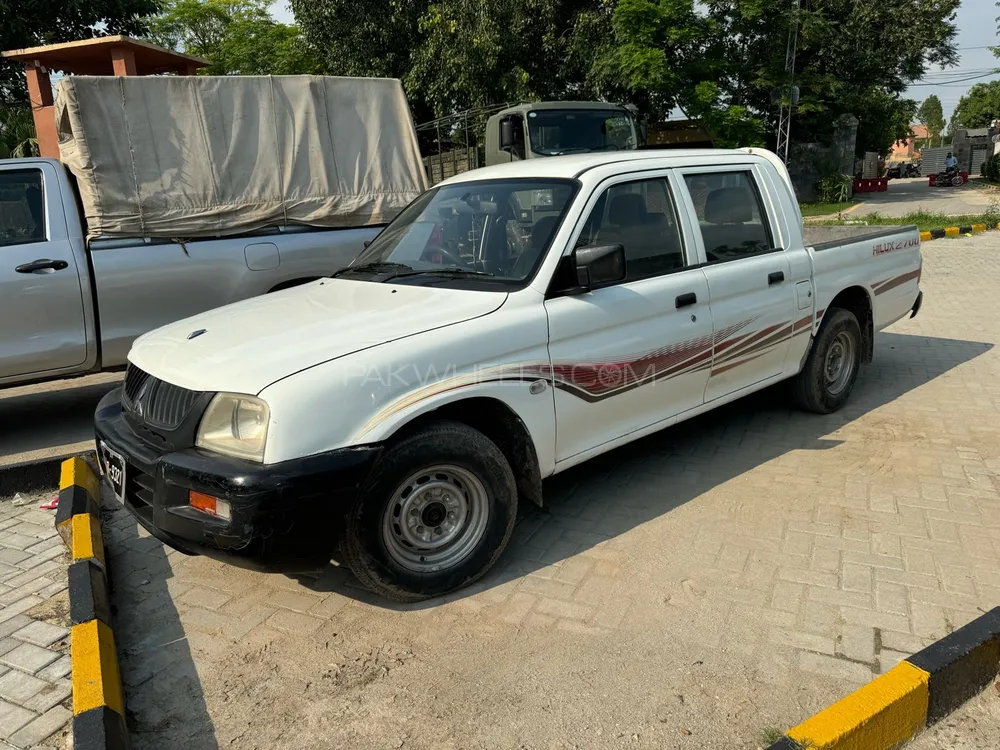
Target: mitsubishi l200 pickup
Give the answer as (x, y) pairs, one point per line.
(510, 323)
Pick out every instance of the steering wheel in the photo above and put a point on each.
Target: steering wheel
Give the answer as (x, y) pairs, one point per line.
(452, 259)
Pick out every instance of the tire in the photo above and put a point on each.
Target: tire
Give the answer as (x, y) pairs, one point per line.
(444, 471)
(814, 389)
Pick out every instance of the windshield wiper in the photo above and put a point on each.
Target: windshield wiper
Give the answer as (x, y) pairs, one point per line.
(375, 267)
(441, 272)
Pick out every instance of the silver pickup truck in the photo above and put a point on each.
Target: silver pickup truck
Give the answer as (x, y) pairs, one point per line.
(68, 308)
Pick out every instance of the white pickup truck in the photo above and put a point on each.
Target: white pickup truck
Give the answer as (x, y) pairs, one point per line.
(510, 323)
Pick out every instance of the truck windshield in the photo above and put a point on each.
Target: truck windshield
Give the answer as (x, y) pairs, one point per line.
(559, 131)
(490, 234)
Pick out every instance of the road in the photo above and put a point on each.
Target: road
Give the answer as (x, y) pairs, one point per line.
(729, 575)
(50, 420)
(914, 194)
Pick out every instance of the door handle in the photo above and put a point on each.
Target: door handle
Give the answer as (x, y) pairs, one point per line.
(41, 264)
(775, 277)
(684, 300)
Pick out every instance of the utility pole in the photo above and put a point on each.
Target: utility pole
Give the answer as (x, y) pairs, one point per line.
(789, 95)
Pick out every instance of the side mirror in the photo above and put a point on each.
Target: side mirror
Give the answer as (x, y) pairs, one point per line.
(600, 264)
(507, 138)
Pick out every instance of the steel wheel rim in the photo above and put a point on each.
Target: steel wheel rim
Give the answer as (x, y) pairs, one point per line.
(839, 365)
(435, 519)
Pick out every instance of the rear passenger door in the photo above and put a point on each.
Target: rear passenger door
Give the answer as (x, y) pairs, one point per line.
(749, 278)
(635, 353)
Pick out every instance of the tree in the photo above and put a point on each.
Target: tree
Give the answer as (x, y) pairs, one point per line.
(978, 108)
(455, 54)
(49, 21)
(931, 116)
(842, 66)
(238, 37)
(17, 132)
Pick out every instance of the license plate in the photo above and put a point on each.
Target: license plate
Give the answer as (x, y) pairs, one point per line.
(114, 470)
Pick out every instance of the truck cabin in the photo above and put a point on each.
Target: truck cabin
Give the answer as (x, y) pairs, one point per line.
(530, 131)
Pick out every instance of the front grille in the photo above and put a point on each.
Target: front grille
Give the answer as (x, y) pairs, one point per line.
(134, 380)
(154, 401)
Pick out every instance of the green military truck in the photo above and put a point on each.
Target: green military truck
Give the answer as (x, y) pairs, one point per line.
(525, 131)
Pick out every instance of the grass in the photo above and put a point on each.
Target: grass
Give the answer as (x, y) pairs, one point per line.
(769, 735)
(825, 209)
(925, 220)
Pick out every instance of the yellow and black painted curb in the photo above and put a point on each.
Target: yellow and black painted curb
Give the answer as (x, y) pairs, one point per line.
(919, 691)
(98, 706)
(936, 234)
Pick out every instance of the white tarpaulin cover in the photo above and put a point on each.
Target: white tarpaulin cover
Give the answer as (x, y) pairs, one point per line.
(203, 156)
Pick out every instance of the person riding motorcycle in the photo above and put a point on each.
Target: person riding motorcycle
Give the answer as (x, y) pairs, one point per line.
(950, 163)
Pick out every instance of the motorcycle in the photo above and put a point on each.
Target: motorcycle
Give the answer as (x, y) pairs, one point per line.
(949, 178)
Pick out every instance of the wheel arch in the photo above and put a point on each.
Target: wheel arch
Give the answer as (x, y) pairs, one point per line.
(498, 422)
(858, 300)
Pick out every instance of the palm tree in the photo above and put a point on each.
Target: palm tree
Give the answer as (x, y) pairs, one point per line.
(17, 132)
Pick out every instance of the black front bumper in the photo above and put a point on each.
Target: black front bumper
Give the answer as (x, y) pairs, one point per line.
(285, 517)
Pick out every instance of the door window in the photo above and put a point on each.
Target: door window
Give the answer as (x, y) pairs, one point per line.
(22, 210)
(730, 215)
(640, 216)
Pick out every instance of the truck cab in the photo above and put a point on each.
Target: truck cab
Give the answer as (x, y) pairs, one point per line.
(537, 129)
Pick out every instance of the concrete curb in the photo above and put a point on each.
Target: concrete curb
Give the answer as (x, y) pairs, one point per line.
(98, 705)
(936, 234)
(917, 692)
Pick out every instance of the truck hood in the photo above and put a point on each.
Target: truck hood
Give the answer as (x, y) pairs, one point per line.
(248, 345)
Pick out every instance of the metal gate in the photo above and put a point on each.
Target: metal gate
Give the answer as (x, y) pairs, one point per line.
(979, 155)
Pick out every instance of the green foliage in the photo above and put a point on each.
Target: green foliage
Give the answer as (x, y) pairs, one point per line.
(17, 132)
(238, 37)
(835, 188)
(931, 116)
(978, 108)
(843, 64)
(29, 24)
(991, 168)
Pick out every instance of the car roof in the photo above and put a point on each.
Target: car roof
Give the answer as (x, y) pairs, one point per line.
(573, 165)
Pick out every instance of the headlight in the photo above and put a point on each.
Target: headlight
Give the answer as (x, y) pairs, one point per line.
(235, 425)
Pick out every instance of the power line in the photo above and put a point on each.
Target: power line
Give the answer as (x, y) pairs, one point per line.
(957, 80)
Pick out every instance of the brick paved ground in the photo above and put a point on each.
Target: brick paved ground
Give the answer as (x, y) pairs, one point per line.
(35, 703)
(734, 573)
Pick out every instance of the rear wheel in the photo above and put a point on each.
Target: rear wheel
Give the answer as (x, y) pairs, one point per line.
(435, 517)
(826, 381)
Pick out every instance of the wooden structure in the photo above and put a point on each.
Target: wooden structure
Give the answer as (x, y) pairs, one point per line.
(101, 56)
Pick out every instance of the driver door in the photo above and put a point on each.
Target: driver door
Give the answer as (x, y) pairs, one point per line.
(639, 352)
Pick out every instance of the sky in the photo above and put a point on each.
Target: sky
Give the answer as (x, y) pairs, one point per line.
(977, 29)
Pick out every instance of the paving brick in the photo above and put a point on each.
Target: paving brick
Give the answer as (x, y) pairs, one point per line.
(52, 694)
(18, 687)
(28, 657)
(837, 596)
(906, 578)
(854, 616)
(547, 588)
(856, 577)
(45, 725)
(905, 642)
(830, 666)
(294, 622)
(806, 641)
(857, 642)
(517, 607)
(787, 596)
(891, 597)
(12, 718)
(561, 609)
(15, 623)
(204, 597)
(811, 577)
(41, 633)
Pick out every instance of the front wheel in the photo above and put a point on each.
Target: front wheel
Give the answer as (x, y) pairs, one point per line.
(436, 515)
(826, 381)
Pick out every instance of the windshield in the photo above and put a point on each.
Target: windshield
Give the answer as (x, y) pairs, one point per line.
(492, 233)
(559, 131)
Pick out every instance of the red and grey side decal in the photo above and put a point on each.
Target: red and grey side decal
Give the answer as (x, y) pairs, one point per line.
(881, 287)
